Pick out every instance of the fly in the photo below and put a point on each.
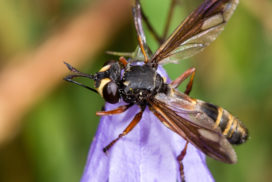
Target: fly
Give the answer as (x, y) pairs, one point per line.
(208, 127)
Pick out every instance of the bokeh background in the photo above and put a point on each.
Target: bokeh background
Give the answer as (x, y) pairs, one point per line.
(47, 125)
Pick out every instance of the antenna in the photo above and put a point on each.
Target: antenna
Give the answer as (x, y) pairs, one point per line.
(69, 78)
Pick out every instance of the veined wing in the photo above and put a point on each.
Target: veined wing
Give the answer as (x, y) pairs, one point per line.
(137, 16)
(181, 114)
(196, 32)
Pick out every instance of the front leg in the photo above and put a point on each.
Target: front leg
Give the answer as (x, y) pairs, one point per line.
(118, 110)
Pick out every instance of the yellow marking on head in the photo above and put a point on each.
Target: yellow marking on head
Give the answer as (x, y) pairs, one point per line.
(102, 84)
(105, 68)
(219, 116)
(230, 121)
(234, 127)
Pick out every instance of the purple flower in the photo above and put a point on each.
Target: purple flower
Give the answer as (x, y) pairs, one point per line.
(147, 154)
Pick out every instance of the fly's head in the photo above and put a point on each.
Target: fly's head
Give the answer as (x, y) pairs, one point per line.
(107, 81)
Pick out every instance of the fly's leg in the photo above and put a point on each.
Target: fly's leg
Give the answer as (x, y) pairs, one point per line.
(123, 61)
(118, 110)
(131, 125)
(190, 84)
(181, 78)
(180, 158)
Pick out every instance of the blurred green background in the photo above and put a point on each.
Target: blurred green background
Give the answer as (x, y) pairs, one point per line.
(234, 72)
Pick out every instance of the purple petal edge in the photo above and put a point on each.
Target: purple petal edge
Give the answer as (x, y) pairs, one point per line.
(147, 154)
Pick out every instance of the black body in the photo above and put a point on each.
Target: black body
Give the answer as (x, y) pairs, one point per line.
(140, 83)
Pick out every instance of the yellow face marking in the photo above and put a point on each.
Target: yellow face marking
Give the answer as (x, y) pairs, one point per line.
(233, 128)
(105, 68)
(230, 121)
(213, 21)
(219, 116)
(102, 84)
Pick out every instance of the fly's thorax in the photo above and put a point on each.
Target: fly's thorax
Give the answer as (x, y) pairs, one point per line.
(107, 82)
(140, 83)
(232, 128)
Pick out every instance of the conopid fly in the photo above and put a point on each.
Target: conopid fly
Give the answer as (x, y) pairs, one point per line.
(208, 127)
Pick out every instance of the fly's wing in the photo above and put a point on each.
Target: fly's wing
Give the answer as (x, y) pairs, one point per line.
(181, 114)
(137, 16)
(196, 32)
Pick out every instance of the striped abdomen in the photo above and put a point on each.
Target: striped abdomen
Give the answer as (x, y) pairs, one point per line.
(231, 127)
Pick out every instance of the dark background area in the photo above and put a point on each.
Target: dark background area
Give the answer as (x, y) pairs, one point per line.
(54, 133)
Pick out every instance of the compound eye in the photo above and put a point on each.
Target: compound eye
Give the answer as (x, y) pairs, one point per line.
(110, 92)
